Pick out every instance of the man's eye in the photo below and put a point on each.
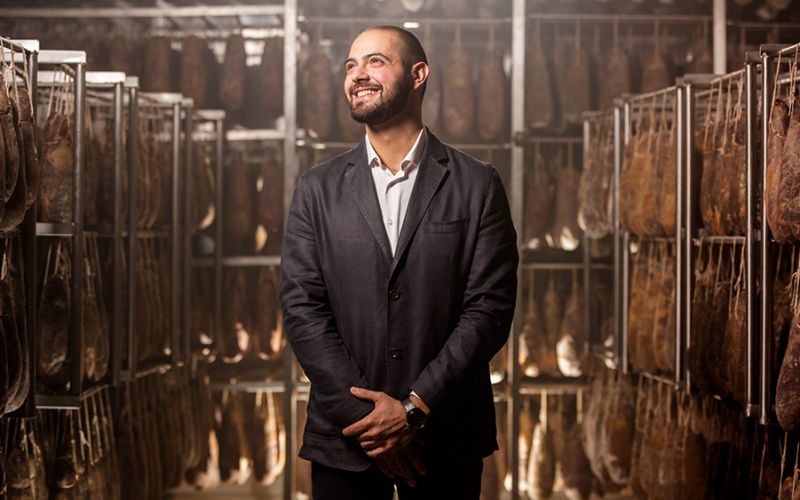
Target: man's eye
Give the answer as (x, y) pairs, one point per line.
(375, 60)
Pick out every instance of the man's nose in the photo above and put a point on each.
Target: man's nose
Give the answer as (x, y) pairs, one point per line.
(359, 73)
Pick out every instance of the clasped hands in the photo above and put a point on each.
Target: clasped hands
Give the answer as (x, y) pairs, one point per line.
(386, 438)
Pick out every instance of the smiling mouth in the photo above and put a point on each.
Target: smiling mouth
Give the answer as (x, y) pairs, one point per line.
(364, 93)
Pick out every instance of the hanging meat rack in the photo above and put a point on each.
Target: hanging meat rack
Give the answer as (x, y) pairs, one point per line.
(72, 64)
(25, 54)
(777, 67)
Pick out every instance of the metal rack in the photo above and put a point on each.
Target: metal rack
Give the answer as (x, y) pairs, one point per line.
(591, 121)
(694, 89)
(101, 83)
(173, 106)
(285, 139)
(248, 375)
(26, 52)
(115, 91)
(215, 121)
(624, 112)
(74, 63)
(767, 61)
(139, 105)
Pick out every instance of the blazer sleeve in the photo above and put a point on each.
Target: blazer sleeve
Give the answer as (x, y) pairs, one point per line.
(489, 302)
(309, 324)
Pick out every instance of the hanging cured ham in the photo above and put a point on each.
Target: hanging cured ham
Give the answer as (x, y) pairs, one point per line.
(157, 75)
(539, 100)
(233, 78)
(492, 106)
(317, 90)
(458, 95)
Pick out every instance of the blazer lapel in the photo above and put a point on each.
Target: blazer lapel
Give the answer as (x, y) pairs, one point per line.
(363, 185)
(430, 176)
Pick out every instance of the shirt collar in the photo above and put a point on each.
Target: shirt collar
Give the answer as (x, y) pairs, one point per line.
(412, 158)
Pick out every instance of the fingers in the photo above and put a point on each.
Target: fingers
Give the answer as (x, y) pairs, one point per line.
(365, 394)
(380, 433)
(379, 451)
(360, 427)
(383, 444)
(375, 427)
(357, 428)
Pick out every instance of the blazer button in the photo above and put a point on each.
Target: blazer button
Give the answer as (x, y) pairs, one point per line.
(396, 354)
(394, 295)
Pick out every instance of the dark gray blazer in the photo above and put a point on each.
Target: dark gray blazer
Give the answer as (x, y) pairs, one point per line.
(430, 319)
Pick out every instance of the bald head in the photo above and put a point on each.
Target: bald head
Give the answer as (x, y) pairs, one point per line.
(412, 48)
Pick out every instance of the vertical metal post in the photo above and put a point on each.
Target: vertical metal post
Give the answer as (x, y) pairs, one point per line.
(617, 280)
(625, 262)
(30, 259)
(768, 75)
(116, 296)
(587, 260)
(680, 234)
(76, 337)
(688, 278)
(751, 96)
(175, 224)
(188, 150)
(291, 169)
(133, 171)
(720, 41)
(517, 207)
(586, 273)
(219, 210)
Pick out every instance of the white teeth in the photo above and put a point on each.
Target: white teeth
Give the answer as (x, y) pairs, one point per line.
(362, 93)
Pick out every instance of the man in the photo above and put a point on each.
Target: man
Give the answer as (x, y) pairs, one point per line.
(398, 287)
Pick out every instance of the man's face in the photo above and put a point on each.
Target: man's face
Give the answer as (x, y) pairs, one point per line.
(377, 83)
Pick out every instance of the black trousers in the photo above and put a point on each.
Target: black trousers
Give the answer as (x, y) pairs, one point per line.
(460, 481)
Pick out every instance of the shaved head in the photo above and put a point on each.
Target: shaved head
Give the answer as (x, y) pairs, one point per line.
(412, 48)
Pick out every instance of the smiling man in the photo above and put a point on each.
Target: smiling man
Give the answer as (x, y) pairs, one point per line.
(398, 287)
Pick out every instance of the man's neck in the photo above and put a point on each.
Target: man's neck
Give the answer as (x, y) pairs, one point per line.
(392, 143)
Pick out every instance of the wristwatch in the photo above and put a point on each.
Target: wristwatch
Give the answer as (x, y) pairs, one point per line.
(415, 417)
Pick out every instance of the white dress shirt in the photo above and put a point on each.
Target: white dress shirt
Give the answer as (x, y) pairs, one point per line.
(394, 190)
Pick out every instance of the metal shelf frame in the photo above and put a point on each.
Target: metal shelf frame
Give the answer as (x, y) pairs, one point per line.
(173, 106)
(216, 119)
(237, 138)
(761, 87)
(694, 88)
(116, 83)
(112, 86)
(145, 12)
(588, 265)
(625, 110)
(479, 22)
(128, 372)
(75, 63)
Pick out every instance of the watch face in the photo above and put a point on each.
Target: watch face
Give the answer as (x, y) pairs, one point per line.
(416, 417)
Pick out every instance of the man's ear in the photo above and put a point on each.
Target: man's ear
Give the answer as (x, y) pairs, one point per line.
(419, 73)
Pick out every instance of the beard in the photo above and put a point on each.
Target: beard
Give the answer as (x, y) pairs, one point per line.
(387, 106)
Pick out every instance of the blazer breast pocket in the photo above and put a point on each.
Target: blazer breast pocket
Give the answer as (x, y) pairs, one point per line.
(448, 226)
